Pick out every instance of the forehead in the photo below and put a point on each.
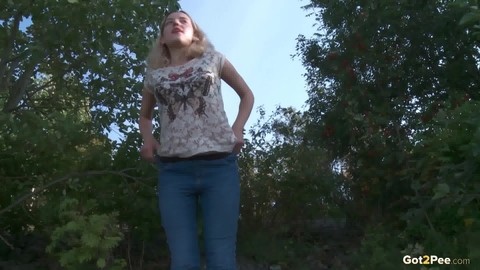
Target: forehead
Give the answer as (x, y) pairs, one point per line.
(177, 15)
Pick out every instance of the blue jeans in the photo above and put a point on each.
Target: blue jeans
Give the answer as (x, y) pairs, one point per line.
(215, 186)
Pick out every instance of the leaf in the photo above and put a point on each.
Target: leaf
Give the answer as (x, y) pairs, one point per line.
(101, 263)
(469, 18)
(468, 222)
(72, 1)
(90, 239)
(440, 191)
(358, 117)
(111, 241)
(84, 257)
(416, 185)
(72, 226)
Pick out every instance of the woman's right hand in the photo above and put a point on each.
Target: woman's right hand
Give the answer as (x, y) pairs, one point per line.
(149, 150)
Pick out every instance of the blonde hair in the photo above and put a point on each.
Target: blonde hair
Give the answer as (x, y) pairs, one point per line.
(159, 55)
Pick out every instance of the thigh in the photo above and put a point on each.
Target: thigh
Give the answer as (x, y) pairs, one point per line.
(220, 200)
(177, 199)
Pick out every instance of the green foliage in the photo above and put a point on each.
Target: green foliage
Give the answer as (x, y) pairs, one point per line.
(446, 204)
(281, 251)
(391, 136)
(379, 251)
(84, 237)
(393, 100)
(472, 17)
(377, 79)
(101, 50)
(69, 71)
(286, 182)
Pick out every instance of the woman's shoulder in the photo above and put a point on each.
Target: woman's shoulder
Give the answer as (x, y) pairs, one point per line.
(212, 52)
(214, 57)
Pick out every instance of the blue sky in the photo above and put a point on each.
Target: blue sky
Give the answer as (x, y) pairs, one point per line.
(258, 37)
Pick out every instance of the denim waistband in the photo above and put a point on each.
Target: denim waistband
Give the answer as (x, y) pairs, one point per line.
(212, 156)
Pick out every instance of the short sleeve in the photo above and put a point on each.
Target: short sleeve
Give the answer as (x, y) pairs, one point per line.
(220, 61)
(217, 60)
(147, 80)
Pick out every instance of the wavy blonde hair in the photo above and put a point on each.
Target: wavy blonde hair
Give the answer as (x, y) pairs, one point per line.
(159, 55)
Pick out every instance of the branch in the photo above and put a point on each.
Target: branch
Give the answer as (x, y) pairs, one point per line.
(7, 243)
(20, 88)
(65, 178)
(45, 85)
(7, 74)
(10, 43)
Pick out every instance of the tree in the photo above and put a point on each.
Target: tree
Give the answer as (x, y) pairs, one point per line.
(472, 17)
(380, 75)
(377, 73)
(287, 186)
(69, 70)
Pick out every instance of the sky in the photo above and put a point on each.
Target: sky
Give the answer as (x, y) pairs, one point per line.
(259, 39)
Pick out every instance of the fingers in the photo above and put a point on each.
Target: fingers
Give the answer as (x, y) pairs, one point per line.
(148, 153)
(147, 157)
(238, 146)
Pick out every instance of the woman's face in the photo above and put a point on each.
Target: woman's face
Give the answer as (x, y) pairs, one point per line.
(178, 30)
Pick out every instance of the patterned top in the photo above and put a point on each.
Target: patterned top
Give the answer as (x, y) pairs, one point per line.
(190, 107)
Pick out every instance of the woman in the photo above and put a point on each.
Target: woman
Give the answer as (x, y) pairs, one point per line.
(197, 151)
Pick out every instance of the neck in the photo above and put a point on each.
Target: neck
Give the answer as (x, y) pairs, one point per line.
(178, 55)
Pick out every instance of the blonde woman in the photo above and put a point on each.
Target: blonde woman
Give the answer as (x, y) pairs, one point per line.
(197, 149)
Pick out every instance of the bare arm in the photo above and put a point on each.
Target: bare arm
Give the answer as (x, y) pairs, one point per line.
(146, 116)
(234, 80)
